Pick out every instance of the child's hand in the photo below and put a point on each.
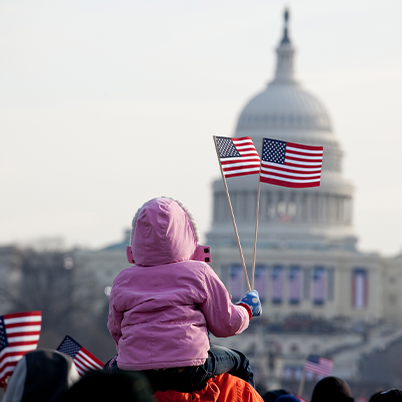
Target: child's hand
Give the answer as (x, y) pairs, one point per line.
(251, 302)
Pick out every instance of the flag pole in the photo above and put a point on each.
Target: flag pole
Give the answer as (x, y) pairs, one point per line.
(232, 215)
(301, 384)
(257, 209)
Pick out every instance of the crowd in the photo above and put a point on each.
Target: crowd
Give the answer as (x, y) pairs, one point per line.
(161, 312)
(49, 376)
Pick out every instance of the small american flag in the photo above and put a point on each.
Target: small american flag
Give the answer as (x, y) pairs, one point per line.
(237, 156)
(277, 284)
(318, 365)
(260, 281)
(319, 285)
(294, 285)
(359, 288)
(83, 360)
(19, 334)
(236, 281)
(290, 165)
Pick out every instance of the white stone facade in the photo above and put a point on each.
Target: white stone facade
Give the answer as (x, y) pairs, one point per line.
(306, 241)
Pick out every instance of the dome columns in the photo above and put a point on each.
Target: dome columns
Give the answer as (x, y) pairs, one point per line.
(285, 206)
(284, 66)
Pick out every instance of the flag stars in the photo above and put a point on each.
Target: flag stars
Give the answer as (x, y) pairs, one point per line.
(274, 151)
(226, 148)
(69, 347)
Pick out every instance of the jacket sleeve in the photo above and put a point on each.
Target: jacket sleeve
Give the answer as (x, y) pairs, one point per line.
(115, 318)
(223, 317)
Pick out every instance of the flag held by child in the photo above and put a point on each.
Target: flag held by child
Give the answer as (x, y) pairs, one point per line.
(319, 365)
(83, 359)
(19, 334)
(237, 156)
(290, 165)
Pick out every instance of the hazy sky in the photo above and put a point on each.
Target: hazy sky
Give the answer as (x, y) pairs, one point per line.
(107, 103)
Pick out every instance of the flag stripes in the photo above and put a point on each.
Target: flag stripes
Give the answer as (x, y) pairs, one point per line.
(319, 284)
(84, 362)
(19, 334)
(294, 285)
(277, 284)
(318, 365)
(83, 359)
(237, 156)
(260, 283)
(236, 281)
(359, 288)
(290, 165)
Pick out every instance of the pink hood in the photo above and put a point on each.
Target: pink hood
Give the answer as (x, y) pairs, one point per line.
(163, 233)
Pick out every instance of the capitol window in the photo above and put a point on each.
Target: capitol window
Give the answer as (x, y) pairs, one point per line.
(292, 209)
(294, 348)
(281, 208)
(271, 213)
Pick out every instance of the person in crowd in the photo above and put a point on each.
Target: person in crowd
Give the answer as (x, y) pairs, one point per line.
(162, 308)
(287, 398)
(390, 395)
(101, 386)
(221, 388)
(332, 389)
(41, 375)
(273, 395)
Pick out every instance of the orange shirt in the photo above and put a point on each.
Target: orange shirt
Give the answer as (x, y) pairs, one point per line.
(221, 388)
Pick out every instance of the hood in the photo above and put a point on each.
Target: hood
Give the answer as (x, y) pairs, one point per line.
(41, 375)
(391, 395)
(164, 231)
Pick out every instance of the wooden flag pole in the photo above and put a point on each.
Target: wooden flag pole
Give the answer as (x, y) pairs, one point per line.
(255, 233)
(232, 215)
(257, 209)
(301, 385)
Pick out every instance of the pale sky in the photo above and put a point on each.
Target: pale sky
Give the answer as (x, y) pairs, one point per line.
(105, 104)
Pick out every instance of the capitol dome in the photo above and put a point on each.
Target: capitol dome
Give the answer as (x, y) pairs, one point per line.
(285, 106)
(284, 103)
(318, 217)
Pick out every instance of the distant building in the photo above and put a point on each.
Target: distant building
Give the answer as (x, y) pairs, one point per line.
(306, 259)
(319, 293)
(307, 262)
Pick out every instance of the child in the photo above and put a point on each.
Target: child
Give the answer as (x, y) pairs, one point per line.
(162, 308)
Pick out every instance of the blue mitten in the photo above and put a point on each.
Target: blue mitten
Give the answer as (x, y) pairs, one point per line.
(251, 302)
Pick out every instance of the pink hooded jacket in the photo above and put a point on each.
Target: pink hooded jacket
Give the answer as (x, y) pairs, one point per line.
(161, 309)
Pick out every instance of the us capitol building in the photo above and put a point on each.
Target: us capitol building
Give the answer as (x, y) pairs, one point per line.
(306, 259)
(319, 293)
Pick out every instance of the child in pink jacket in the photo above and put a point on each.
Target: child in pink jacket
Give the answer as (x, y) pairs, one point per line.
(162, 308)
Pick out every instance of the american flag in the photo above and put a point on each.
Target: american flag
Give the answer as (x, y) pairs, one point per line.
(260, 281)
(19, 334)
(236, 281)
(318, 365)
(319, 285)
(294, 284)
(359, 288)
(277, 284)
(237, 156)
(290, 165)
(83, 360)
